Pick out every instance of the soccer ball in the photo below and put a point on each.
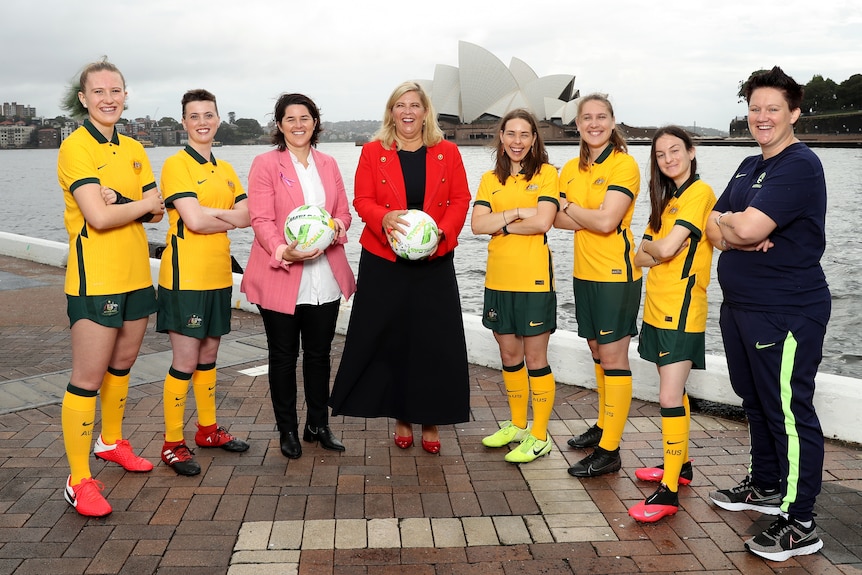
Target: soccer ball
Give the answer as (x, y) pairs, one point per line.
(420, 238)
(311, 227)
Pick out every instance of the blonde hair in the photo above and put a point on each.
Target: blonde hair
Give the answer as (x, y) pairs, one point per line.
(70, 101)
(431, 132)
(618, 140)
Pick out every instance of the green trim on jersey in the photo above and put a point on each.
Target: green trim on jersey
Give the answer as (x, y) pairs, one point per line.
(601, 257)
(115, 260)
(676, 288)
(193, 261)
(519, 263)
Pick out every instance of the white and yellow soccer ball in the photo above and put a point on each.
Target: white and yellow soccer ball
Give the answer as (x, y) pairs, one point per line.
(419, 239)
(311, 227)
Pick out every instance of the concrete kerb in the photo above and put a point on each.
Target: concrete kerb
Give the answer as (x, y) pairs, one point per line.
(836, 399)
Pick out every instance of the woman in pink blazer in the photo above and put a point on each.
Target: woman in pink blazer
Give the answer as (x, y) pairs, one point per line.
(405, 355)
(298, 293)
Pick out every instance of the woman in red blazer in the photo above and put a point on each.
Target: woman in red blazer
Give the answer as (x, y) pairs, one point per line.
(298, 293)
(405, 355)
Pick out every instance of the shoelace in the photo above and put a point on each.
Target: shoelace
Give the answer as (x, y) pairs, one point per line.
(777, 529)
(182, 452)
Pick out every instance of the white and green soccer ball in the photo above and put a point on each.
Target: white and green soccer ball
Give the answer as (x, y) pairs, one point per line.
(420, 236)
(311, 227)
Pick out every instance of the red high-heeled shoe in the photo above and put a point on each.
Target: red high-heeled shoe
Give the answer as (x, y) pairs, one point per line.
(403, 442)
(432, 447)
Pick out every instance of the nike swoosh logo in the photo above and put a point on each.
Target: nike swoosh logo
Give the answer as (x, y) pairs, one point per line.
(102, 166)
(651, 513)
(740, 176)
(759, 345)
(603, 332)
(201, 181)
(663, 353)
(674, 442)
(210, 388)
(536, 323)
(86, 424)
(178, 399)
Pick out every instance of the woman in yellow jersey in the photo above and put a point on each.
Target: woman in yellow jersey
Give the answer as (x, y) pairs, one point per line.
(109, 288)
(600, 188)
(516, 204)
(205, 199)
(679, 257)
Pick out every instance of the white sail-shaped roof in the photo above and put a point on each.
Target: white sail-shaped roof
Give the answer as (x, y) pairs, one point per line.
(482, 85)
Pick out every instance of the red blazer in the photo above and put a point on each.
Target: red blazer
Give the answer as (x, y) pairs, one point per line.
(273, 192)
(379, 189)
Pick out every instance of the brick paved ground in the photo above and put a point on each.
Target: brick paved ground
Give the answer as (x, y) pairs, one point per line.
(374, 509)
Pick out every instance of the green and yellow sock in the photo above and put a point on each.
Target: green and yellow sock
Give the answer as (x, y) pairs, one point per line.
(674, 435)
(618, 400)
(113, 394)
(543, 388)
(517, 388)
(78, 417)
(174, 399)
(600, 389)
(204, 384)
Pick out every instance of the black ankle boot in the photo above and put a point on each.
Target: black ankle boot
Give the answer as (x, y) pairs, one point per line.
(324, 435)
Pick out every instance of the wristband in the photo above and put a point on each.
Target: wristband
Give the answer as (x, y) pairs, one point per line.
(506, 230)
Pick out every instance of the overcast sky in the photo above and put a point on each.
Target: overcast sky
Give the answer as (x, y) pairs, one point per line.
(672, 61)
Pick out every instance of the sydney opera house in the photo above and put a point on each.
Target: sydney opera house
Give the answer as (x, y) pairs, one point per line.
(471, 98)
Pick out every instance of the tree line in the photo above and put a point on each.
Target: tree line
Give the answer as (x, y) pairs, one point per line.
(825, 96)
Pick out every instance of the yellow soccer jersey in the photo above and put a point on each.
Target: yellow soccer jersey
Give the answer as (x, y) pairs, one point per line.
(515, 262)
(108, 261)
(676, 289)
(603, 257)
(194, 261)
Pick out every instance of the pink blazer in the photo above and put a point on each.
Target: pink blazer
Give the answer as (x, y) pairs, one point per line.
(273, 192)
(379, 188)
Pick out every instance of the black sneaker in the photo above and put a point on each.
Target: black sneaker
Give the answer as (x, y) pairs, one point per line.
(589, 438)
(746, 495)
(179, 457)
(784, 539)
(597, 463)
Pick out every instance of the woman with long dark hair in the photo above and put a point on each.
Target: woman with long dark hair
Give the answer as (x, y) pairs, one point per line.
(678, 255)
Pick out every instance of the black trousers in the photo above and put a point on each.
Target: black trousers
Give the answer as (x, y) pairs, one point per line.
(312, 326)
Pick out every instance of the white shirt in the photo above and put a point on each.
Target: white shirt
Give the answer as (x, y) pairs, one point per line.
(318, 284)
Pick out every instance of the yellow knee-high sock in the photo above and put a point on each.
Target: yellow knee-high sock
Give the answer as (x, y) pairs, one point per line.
(78, 417)
(174, 399)
(618, 399)
(204, 383)
(517, 386)
(543, 387)
(674, 435)
(600, 388)
(113, 394)
(687, 405)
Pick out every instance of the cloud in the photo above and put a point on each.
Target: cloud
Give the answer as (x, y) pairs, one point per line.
(677, 61)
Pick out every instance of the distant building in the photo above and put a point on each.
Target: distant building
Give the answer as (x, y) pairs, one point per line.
(49, 138)
(15, 110)
(482, 88)
(15, 136)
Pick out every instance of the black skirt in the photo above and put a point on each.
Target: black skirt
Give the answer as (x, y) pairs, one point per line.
(405, 356)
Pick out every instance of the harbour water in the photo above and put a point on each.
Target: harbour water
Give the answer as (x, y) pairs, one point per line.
(33, 206)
